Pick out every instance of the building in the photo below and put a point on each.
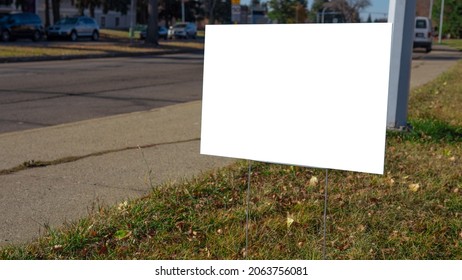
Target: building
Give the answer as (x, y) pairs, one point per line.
(423, 8)
(109, 20)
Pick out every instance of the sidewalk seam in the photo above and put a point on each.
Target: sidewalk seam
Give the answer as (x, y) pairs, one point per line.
(39, 163)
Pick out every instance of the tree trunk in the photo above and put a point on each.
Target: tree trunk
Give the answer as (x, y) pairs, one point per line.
(47, 13)
(55, 6)
(152, 34)
(92, 10)
(211, 11)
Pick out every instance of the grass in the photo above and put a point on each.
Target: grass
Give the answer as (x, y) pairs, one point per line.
(113, 42)
(455, 43)
(413, 211)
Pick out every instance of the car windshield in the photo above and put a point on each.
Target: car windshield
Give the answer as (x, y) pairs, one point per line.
(421, 24)
(68, 21)
(182, 25)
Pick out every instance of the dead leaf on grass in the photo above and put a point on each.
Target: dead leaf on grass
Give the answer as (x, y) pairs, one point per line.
(290, 220)
(414, 187)
(313, 181)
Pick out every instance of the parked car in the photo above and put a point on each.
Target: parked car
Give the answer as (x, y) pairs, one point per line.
(183, 30)
(21, 25)
(73, 28)
(423, 33)
(162, 33)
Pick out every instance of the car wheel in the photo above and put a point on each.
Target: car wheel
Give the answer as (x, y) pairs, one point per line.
(36, 36)
(73, 36)
(95, 36)
(5, 36)
(428, 49)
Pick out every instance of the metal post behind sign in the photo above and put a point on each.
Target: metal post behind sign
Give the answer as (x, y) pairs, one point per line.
(402, 15)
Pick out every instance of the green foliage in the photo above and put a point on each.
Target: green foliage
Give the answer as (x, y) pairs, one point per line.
(285, 11)
(452, 19)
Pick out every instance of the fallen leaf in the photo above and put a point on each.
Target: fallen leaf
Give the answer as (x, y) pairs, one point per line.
(290, 220)
(313, 181)
(122, 206)
(414, 187)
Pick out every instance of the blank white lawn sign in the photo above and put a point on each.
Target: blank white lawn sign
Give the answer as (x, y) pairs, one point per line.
(303, 94)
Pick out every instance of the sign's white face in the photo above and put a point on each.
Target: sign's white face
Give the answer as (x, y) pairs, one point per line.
(302, 94)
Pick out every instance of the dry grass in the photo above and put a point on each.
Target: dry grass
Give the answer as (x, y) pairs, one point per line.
(112, 43)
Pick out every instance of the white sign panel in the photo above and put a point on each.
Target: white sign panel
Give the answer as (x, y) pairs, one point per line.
(303, 94)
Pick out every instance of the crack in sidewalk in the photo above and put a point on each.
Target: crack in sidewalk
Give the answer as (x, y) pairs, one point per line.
(44, 163)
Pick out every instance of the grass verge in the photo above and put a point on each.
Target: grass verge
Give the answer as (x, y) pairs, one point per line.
(455, 43)
(112, 43)
(414, 211)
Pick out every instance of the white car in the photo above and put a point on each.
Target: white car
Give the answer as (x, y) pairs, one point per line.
(423, 33)
(184, 30)
(73, 28)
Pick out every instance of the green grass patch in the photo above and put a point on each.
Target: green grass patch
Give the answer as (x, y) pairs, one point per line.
(455, 43)
(413, 211)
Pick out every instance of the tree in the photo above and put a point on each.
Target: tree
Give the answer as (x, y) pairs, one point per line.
(121, 6)
(152, 35)
(316, 7)
(452, 24)
(56, 9)
(369, 18)
(26, 5)
(91, 5)
(47, 12)
(285, 11)
(348, 8)
(6, 2)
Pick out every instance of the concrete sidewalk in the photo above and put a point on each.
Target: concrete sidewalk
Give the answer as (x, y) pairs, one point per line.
(107, 160)
(107, 165)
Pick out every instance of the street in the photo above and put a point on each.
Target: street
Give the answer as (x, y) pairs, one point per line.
(40, 94)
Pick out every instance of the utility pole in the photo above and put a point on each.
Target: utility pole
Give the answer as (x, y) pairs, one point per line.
(441, 22)
(402, 14)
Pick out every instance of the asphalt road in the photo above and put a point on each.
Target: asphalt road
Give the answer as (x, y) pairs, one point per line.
(40, 94)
